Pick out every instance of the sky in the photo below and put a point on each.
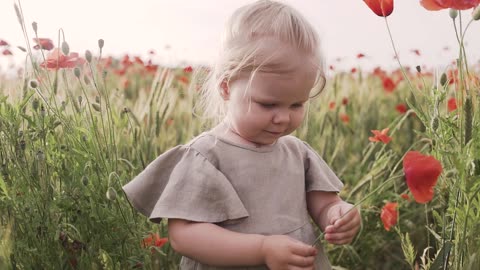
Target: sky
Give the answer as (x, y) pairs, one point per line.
(185, 32)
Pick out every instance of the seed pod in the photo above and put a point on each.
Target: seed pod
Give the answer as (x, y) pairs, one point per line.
(33, 84)
(101, 43)
(23, 144)
(76, 72)
(476, 13)
(97, 107)
(34, 26)
(453, 13)
(35, 104)
(419, 69)
(443, 79)
(80, 99)
(434, 123)
(65, 48)
(85, 180)
(42, 111)
(97, 99)
(111, 194)
(88, 56)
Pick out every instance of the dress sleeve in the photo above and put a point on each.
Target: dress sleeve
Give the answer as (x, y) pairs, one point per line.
(182, 183)
(318, 175)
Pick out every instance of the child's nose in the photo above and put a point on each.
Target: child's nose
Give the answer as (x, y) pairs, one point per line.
(281, 116)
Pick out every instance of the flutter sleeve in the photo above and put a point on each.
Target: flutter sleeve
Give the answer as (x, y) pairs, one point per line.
(318, 175)
(182, 183)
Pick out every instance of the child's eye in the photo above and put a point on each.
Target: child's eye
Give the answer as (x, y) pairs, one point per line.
(267, 105)
(297, 105)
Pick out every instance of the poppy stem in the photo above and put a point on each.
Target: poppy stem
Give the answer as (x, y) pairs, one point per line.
(397, 57)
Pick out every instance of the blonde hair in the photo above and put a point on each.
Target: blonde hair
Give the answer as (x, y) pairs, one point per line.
(242, 37)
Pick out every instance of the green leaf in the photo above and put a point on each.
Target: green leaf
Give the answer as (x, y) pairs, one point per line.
(3, 188)
(441, 256)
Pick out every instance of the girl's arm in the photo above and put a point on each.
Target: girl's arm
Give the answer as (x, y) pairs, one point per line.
(327, 209)
(213, 245)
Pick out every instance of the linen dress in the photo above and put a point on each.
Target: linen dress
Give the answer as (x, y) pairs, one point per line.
(240, 188)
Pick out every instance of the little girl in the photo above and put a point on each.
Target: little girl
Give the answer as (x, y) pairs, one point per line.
(241, 195)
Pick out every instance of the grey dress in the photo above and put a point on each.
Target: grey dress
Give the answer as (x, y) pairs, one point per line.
(240, 188)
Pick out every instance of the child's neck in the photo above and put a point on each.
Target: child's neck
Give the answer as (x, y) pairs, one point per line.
(224, 130)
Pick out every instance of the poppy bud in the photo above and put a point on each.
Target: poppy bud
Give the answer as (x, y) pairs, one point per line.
(21, 48)
(35, 104)
(80, 99)
(88, 56)
(453, 13)
(84, 180)
(111, 194)
(76, 72)
(418, 68)
(23, 144)
(443, 79)
(42, 111)
(34, 26)
(96, 107)
(101, 43)
(476, 13)
(65, 48)
(434, 123)
(33, 84)
(97, 99)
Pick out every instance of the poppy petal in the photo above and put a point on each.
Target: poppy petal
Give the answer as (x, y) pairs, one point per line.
(421, 173)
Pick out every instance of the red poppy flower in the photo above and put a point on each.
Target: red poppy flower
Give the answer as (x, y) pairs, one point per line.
(360, 55)
(154, 240)
(184, 79)
(421, 173)
(452, 104)
(388, 84)
(416, 51)
(3, 42)
(188, 69)
(57, 60)
(7, 52)
(344, 101)
(331, 105)
(389, 215)
(443, 4)
(405, 196)
(380, 136)
(382, 8)
(401, 108)
(345, 118)
(43, 43)
(353, 70)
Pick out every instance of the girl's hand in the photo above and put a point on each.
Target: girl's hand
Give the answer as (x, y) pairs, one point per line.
(283, 252)
(342, 229)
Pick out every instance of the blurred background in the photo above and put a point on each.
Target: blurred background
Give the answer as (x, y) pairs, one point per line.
(188, 31)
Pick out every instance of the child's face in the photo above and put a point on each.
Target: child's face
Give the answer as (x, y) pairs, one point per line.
(274, 104)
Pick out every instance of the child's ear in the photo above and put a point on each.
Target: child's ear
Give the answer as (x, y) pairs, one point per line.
(224, 90)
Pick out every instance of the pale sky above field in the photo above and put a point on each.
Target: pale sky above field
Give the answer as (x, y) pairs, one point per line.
(192, 29)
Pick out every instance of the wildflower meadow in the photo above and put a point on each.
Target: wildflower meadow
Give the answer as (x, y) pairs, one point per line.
(76, 126)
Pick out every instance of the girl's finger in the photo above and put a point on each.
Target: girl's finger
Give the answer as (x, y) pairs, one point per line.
(352, 217)
(353, 224)
(303, 250)
(302, 261)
